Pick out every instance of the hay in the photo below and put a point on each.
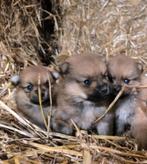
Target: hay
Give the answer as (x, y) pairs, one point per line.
(29, 36)
(105, 27)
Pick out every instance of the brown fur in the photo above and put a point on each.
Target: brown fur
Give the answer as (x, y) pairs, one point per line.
(139, 125)
(28, 100)
(124, 70)
(81, 102)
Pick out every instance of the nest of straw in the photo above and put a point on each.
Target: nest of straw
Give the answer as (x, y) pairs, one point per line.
(31, 33)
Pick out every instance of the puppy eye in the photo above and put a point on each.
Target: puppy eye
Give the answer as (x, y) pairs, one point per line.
(29, 87)
(87, 82)
(126, 81)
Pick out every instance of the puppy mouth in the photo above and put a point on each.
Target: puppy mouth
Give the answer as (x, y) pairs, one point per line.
(101, 93)
(117, 89)
(103, 90)
(43, 100)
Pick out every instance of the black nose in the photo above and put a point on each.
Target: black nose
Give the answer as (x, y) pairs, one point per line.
(103, 89)
(37, 93)
(117, 88)
(35, 96)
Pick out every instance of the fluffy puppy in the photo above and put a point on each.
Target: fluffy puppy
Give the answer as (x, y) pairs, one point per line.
(82, 95)
(139, 124)
(32, 80)
(124, 70)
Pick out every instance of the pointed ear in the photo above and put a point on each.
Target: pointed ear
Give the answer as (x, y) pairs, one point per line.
(15, 80)
(64, 68)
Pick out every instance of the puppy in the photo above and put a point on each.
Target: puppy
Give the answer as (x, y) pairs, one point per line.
(32, 80)
(139, 124)
(83, 95)
(124, 70)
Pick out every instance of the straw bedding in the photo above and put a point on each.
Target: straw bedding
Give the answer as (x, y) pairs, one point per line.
(47, 32)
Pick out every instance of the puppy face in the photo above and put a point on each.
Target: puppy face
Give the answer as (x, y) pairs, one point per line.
(85, 78)
(35, 78)
(123, 70)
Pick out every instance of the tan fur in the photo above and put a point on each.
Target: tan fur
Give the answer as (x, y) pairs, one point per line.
(27, 100)
(142, 96)
(73, 101)
(124, 70)
(139, 124)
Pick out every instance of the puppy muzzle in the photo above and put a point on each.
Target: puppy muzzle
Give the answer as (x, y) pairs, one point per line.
(102, 92)
(44, 97)
(117, 88)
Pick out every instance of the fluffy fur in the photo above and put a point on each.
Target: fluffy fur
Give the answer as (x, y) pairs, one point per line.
(124, 70)
(83, 95)
(139, 124)
(32, 79)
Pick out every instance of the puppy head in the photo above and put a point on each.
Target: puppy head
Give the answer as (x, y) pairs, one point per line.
(35, 78)
(123, 70)
(85, 77)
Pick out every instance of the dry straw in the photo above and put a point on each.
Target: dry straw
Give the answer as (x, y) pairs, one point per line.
(103, 27)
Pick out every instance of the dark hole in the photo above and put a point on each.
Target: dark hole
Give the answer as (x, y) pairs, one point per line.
(49, 47)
